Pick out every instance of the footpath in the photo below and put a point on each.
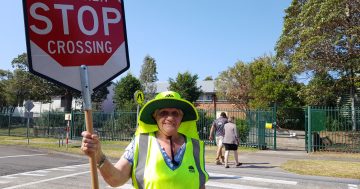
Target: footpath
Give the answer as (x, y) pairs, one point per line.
(271, 160)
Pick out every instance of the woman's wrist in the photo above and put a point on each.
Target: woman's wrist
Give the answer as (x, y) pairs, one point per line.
(100, 160)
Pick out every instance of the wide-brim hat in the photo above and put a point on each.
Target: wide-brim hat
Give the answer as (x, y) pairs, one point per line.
(168, 99)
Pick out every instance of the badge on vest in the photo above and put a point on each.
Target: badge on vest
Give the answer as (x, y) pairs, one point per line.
(191, 169)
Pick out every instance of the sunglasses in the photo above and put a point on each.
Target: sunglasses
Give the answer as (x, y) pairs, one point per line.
(165, 113)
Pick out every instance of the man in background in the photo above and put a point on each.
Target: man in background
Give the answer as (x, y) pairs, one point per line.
(218, 127)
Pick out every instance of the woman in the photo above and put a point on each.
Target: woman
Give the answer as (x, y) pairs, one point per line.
(166, 148)
(231, 141)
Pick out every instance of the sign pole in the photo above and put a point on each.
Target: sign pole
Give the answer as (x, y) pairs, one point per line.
(27, 126)
(67, 133)
(88, 121)
(139, 98)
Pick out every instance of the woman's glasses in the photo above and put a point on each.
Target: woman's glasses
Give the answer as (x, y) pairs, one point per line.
(165, 113)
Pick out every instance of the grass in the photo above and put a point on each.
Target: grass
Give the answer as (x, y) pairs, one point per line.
(339, 169)
(114, 149)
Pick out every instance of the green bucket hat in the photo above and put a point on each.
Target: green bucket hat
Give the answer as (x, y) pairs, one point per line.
(168, 99)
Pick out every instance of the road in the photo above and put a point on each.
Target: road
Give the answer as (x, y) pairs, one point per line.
(27, 168)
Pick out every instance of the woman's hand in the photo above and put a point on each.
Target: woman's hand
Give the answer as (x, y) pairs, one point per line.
(90, 144)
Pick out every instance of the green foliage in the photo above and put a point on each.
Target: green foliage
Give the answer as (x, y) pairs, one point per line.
(208, 78)
(334, 125)
(49, 124)
(234, 84)
(3, 82)
(243, 130)
(272, 82)
(322, 36)
(186, 85)
(100, 95)
(148, 77)
(204, 123)
(124, 91)
(291, 118)
(117, 125)
(320, 91)
(259, 84)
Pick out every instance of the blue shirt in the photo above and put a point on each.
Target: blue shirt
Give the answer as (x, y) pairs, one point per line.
(129, 154)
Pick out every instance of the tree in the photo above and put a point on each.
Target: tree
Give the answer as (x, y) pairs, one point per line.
(208, 78)
(234, 84)
(100, 95)
(323, 36)
(124, 91)
(25, 86)
(320, 91)
(148, 77)
(272, 82)
(186, 85)
(4, 102)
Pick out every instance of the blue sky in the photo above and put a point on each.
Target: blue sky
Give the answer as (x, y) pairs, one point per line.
(203, 37)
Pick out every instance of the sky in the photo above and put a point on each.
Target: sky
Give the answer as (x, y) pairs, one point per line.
(204, 37)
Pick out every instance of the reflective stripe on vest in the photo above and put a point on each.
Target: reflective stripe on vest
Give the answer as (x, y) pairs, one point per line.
(140, 167)
(142, 155)
(196, 153)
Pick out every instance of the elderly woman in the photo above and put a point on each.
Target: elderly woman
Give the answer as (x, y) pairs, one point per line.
(231, 141)
(165, 153)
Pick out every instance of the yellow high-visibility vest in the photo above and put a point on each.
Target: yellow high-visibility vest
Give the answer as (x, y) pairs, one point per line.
(150, 170)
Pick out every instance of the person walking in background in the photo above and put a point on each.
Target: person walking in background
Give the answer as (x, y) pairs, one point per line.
(218, 127)
(231, 141)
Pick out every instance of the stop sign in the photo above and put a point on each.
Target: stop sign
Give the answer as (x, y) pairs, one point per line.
(62, 35)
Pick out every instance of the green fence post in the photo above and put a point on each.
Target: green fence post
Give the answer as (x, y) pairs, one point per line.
(261, 131)
(9, 123)
(48, 124)
(309, 134)
(274, 124)
(113, 126)
(72, 124)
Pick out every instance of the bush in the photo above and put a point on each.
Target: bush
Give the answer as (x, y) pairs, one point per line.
(243, 130)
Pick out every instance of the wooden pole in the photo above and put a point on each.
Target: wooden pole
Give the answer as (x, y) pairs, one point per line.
(92, 158)
(89, 121)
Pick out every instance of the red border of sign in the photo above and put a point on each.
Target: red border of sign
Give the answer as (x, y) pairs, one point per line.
(28, 48)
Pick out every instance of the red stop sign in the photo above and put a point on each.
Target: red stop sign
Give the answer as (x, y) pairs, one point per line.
(65, 34)
(75, 32)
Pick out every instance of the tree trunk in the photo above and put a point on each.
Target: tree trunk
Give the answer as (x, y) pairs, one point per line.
(352, 98)
(68, 101)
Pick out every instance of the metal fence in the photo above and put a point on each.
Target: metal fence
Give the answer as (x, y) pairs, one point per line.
(121, 125)
(332, 129)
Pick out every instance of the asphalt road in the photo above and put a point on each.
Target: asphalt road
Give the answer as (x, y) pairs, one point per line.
(39, 169)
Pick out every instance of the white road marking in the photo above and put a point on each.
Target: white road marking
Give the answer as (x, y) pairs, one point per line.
(32, 174)
(276, 181)
(40, 171)
(231, 186)
(3, 157)
(54, 169)
(352, 186)
(9, 177)
(46, 180)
